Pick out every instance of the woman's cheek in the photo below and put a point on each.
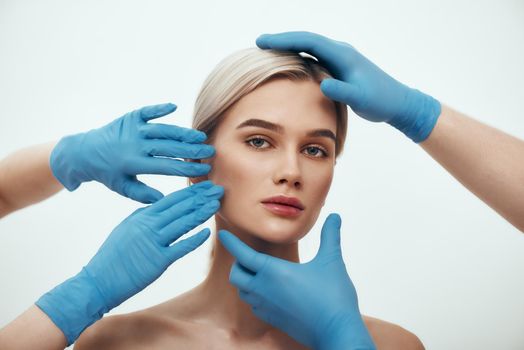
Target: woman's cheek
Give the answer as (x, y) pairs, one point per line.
(325, 174)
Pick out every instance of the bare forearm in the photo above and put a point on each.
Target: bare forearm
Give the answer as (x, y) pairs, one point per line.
(32, 330)
(489, 162)
(26, 178)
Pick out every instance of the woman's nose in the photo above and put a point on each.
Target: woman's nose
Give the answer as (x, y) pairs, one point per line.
(288, 169)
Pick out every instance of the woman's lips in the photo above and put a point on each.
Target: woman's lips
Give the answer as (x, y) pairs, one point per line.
(282, 209)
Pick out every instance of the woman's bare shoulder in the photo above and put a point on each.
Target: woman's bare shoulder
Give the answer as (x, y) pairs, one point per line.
(138, 330)
(155, 327)
(389, 336)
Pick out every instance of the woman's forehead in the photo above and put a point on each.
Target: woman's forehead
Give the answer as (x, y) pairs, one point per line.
(288, 104)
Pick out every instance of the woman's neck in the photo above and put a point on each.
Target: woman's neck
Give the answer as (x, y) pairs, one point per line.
(227, 308)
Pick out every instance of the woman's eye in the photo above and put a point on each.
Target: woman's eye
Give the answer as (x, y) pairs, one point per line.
(316, 152)
(312, 151)
(256, 142)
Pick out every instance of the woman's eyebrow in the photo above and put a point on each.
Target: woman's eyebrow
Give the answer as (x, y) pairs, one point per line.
(280, 129)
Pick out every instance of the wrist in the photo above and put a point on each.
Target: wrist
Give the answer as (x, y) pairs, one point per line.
(418, 116)
(64, 161)
(74, 305)
(346, 332)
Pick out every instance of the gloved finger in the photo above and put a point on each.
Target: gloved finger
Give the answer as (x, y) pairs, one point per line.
(155, 111)
(139, 191)
(176, 149)
(338, 57)
(166, 166)
(185, 246)
(137, 212)
(341, 91)
(250, 298)
(330, 235)
(177, 228)
(172, 132)
(298, 41)
(317, 45)
(244, 254)
(188, 205)
(180, 195)
(240, 277)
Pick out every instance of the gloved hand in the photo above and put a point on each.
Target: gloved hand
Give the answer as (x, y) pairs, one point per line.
(315, 303)
(359, 83)
(135, 254)
(128, 146)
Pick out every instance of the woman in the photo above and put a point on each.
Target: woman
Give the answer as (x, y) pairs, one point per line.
(276, 138)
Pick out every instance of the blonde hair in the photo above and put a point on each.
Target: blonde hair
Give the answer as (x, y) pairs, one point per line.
(242, 72)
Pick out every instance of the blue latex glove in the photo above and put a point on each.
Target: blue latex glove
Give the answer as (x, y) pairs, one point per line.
(135, 254)
(359, 83)
(129, 146)
(315, 303)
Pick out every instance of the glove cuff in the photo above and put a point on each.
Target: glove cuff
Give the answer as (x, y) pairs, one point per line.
(64, 159)
(419, 116)
(74, 305)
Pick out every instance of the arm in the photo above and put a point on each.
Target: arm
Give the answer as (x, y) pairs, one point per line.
(485, 160)
(134, 255)
(113, 155)
(43, 334)
(19, 187)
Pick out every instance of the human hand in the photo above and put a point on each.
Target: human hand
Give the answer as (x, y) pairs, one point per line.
(135, 254)
(369, 91)
(315, 302)
(129, 146)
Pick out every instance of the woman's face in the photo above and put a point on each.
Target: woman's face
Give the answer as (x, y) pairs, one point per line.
(276, 141)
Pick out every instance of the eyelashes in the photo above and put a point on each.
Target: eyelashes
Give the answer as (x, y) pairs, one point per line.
(256, 142)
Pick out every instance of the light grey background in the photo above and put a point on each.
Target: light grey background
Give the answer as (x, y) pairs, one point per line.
(422, 251)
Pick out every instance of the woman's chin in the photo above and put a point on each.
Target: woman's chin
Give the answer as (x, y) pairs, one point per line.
(279, 237)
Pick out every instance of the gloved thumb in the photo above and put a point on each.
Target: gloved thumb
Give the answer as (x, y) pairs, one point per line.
(156, 111)
(330, 235)
(139, 191)
(341, 91)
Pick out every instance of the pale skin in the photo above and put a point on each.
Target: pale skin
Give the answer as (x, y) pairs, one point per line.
(26, 178)
(33, 329)
(251, 163)
(487, 161)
